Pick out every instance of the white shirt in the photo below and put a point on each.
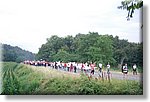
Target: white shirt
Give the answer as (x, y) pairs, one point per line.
(134, 66)
(100, 65)
(108, 66)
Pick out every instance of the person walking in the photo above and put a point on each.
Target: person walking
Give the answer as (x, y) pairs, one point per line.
(108, 72)
(108, 68)
(82, 67)
(134, 69)
(100, 70)
(65, 67)
(92, 68)
(75, 67)
(68, 66)
(125, 70)
(71, 67)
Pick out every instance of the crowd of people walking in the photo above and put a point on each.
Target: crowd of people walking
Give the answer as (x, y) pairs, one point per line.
(87, 68)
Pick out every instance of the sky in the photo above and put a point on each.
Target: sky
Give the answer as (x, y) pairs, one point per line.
(28, 23)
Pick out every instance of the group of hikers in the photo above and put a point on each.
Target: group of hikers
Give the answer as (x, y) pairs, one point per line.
(87, 68)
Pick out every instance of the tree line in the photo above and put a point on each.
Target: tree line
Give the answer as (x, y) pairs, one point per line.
(15, 54)
(91, 47)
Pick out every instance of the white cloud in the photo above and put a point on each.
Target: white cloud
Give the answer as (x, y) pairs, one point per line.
(28, 23)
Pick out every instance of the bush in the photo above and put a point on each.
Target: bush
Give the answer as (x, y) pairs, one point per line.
(22, 79)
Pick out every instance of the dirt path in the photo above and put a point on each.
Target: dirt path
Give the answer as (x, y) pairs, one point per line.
(129, 76)
(116, 75)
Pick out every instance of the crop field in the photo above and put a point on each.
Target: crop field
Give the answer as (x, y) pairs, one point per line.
(24, 79)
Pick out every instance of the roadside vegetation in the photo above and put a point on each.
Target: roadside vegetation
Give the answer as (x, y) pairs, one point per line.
(23, 79)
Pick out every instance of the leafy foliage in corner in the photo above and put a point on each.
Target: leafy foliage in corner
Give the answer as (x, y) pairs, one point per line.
(130, 6)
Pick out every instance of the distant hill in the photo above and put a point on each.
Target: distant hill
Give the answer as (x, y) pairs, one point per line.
(15, 54)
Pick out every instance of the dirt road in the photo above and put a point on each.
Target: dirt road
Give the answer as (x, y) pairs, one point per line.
(119, 75)
(115, 75)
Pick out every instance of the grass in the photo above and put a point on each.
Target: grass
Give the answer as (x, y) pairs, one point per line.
(23, 79)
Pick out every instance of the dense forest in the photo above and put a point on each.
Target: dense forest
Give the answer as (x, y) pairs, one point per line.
(92, 47)
(15, 54)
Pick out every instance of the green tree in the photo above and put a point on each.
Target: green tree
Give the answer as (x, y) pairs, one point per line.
(91, 47)
(120, 53)
(44, 52)
(131, 6)
(68, 44)
(105, 43)
(16, 54)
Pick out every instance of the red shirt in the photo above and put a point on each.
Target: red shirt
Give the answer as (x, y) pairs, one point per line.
(71, 66)
(65, 65)
(92, 66)
(82, 66)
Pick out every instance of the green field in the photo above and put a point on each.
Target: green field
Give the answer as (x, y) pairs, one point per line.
(24, 79)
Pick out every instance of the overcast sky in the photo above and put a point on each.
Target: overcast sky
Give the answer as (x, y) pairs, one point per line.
(27, 23)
